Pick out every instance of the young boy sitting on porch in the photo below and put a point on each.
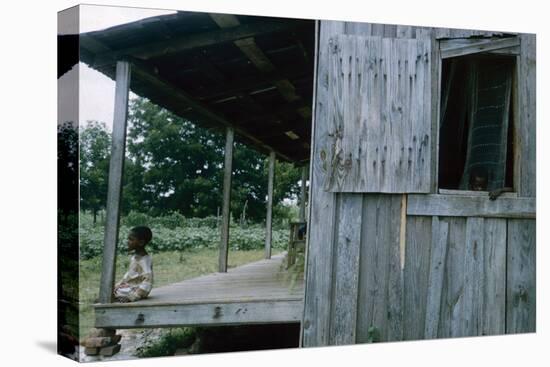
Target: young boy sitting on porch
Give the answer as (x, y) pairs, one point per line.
(138, 280)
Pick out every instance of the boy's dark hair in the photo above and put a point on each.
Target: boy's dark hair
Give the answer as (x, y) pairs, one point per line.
(142, 233)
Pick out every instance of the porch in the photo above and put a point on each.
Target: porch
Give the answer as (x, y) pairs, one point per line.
(261, 292)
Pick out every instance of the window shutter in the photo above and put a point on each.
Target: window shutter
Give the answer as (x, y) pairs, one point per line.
(379, 111)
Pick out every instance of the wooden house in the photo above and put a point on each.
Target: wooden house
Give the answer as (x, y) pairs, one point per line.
(393, 123)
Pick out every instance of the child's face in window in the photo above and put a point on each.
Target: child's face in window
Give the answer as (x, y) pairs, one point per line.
(478, 183)
(134, 243)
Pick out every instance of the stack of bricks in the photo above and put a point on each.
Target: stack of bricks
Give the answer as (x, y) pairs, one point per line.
(103, 342)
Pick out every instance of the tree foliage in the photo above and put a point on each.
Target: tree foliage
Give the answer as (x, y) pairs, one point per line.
(95, 144)
(173, 165)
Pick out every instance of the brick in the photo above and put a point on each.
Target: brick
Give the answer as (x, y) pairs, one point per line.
(101, 333)
(110, 350)
(96, 342)
(91, 351)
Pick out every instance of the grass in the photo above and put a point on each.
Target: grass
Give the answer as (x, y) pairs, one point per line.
(169, 267)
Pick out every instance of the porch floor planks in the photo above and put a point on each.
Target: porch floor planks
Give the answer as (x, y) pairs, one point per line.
(264, 280)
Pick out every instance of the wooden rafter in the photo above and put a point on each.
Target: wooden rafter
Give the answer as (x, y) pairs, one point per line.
(188, 42)
(252, 84)
(146, 75)
(249, 47)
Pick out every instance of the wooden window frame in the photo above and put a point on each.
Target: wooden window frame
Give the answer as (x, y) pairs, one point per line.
(447, 48)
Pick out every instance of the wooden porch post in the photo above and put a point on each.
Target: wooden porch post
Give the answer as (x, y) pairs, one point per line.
(269, 219)
(228, 167)
(302, 213)
(114, 191)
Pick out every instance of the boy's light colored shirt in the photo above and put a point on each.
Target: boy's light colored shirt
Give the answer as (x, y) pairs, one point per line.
(138, 280)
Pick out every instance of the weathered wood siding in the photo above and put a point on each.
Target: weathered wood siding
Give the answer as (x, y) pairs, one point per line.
(400, 266)
(379, 116)
(526, 130)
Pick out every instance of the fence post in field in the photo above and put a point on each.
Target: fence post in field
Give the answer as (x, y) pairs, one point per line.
(114, 191)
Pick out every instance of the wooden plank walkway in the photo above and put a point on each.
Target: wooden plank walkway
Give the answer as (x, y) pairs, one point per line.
(259, 292)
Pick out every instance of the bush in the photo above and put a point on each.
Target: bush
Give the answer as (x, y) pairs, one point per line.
(134, 219)
(170, 341)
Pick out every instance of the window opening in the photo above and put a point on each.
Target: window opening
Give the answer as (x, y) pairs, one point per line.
(476, 125)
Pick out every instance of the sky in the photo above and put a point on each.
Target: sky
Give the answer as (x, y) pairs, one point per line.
(97, 92)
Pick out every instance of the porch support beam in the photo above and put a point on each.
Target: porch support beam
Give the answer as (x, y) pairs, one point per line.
(269, 217)
(114, 191)
(228, 168)
(303, 198)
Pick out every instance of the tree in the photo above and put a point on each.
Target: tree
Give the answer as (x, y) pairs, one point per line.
(95, 143)
(174, 165)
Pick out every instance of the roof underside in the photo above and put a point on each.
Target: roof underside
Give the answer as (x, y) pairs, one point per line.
(252, 73)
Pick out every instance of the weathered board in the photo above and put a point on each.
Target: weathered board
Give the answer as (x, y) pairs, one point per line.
(227, 175)
(269, 206)
(346, 270)
(527, 116)
(380, 277)
(469, 206)
(463, 47)
(438, 254)
(379, 116)
(114, 191)
(227, 313)
(321, 225)
(416, 276)
(472, 300)
(521, 281)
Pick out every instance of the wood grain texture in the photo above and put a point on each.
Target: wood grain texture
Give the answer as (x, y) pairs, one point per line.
(303, 194)
(310, 168)
(468, 206)
(269, 215)
(452, 48)
(226, 204)
(346, 270)
(494, 294)
(450, 320)
(528, 116)
(473, 279)
(379, 115)
(114, 190)
(438, 255)
(521, 277)
(322, 212)
(380, 274)
(211, 314)
(416, 276)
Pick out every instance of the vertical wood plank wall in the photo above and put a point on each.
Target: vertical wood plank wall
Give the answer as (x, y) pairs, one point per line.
(461, 275)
